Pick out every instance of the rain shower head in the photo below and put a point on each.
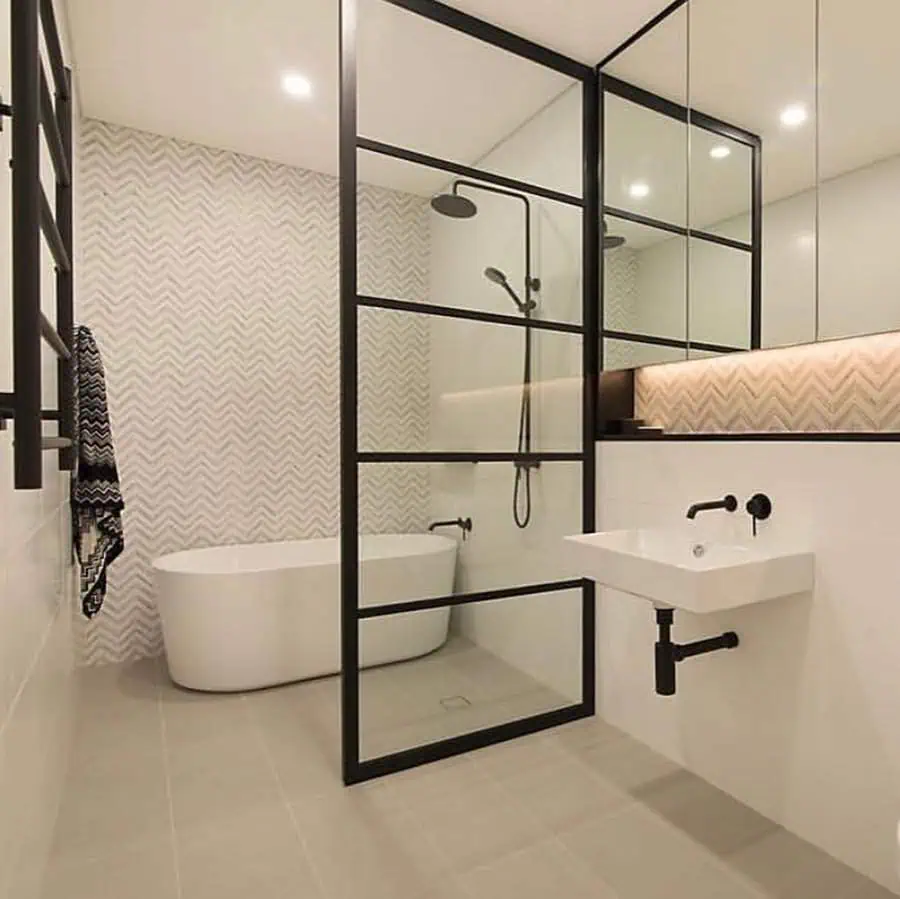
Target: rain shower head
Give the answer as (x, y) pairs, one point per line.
(495, 276)
(611, 241)
(453, 205)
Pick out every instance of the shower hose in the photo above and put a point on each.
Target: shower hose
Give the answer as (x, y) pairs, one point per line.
(522, 490)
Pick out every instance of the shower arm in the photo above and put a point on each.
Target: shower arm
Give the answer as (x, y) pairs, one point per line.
(530, 283)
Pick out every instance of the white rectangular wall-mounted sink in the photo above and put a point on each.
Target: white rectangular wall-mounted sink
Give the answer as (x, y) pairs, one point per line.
(678, 569)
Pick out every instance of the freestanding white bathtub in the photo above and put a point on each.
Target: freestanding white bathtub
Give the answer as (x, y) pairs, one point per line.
(255, 615)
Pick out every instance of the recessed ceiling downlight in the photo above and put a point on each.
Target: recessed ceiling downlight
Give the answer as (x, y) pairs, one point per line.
(639, 190)
(720, 152)
(296, 85)
(793, 116)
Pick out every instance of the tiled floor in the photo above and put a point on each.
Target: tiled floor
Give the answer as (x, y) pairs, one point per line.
(173, 795)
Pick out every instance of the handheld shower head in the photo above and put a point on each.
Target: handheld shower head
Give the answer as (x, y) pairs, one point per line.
(495, 276)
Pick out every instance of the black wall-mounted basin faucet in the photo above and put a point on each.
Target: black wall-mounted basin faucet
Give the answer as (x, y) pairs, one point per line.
(728, 503)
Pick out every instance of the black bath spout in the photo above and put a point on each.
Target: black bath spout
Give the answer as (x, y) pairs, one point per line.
(464, 524)
(728, 503)
(669, 653)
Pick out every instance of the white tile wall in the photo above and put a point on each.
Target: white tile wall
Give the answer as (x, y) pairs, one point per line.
(801, 721)
(210, 280)
(36, 595)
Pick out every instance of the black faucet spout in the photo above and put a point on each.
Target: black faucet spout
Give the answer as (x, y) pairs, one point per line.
(464, 524)
(728, 503)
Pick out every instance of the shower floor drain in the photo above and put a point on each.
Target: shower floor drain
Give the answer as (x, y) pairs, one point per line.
(452, 703)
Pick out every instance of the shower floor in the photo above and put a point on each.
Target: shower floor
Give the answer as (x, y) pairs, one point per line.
(173, 795)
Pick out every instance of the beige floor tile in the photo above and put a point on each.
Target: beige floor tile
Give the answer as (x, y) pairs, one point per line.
(147, 872)
(583, 734)
(362, 849)
(217, 777)
(706, 814)
(258, 854)
(198, 717)
(306, 761)
(539, 872)
(783, 866)
(638, 854)
(477, 823)
(562, 794)
(522, 754)
(488, 678)
(626, 764)
(104, 811)
(409, 790)
(712, 881)
(870, 890)
(125, 741)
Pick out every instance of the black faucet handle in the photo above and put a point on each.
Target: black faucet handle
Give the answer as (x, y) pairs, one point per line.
(730, 502)
(759, 508)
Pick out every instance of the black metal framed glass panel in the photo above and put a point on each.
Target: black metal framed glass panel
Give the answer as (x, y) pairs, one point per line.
(482, 678)
(487, 238)
(529, 459)
(449, 384)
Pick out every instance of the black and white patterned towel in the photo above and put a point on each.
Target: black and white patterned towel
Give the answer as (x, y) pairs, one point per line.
(96, 497)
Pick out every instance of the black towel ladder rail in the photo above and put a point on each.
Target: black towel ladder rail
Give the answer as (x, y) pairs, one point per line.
(32, 108)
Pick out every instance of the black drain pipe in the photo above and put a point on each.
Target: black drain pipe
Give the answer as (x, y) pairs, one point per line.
(669, 653)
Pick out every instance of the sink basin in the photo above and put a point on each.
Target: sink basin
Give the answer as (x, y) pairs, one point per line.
(678, 569)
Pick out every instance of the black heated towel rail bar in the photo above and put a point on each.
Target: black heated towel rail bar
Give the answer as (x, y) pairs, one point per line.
(33, 108)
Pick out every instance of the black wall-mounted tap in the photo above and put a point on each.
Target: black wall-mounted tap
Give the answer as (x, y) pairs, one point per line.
(728, 503)
(464, 524)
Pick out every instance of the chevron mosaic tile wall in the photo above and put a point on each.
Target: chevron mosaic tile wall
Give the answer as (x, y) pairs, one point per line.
(211, 282)
(845, 385)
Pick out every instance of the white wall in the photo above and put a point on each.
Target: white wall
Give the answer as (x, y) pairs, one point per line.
(475, 390)
(801, 721)
(36, 597)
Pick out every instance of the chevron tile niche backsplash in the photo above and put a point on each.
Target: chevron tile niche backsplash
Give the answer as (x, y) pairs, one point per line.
(211, 282)
(842, 385)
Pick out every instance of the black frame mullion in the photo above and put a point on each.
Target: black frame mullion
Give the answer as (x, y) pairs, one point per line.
(673, 342)
(465, 171)
(463, 599)
(349, 388)
(390, 457)
(491, 318)
(661, 225)
(591, 281)
(353, 769)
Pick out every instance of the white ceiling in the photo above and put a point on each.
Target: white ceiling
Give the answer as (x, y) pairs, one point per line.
(208, 71)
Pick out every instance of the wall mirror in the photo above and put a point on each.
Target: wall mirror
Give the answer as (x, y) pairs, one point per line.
(732, 182)
(859, 168)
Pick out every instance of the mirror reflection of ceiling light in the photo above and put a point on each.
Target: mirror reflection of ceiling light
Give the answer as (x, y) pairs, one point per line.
(639, 190)
(793, 116)
(720, 152)
(296, 85)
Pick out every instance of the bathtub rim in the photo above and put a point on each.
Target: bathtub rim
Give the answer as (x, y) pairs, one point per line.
(169, 563)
